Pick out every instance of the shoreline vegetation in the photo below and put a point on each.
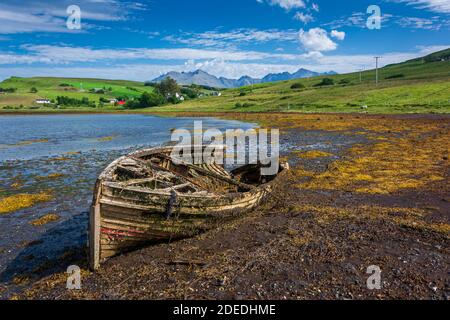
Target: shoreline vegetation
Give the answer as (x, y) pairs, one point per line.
(380, 202)
(415, 86)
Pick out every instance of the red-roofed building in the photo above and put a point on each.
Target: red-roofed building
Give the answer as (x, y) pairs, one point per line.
(121, 103)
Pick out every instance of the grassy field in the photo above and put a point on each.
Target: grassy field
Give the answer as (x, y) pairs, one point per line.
(417, 86)
(50, 88)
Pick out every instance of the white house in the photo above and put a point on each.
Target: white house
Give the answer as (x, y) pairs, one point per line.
(179, 96)
(42, 101)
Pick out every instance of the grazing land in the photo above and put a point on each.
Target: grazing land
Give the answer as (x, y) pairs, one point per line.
(417, 86)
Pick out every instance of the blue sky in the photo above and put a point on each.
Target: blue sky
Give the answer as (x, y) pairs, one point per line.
(139, 40)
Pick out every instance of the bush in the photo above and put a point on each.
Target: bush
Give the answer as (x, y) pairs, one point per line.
(325, 82)
(395, 76)
(242, 94)
(66, 101)
(297, 86)
(344, 81)
(151, 100)
(33, 90)
(146, 100)
(8, 90)
(190, 93)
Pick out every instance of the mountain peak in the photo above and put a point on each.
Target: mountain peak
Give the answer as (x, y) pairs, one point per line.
(201, 77)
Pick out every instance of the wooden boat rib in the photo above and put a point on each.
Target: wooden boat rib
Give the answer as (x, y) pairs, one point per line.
(146, 197)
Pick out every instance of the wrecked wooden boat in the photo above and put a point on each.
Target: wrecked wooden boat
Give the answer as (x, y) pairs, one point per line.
(146, 198)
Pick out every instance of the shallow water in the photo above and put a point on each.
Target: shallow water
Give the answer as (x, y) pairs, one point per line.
(79, 147)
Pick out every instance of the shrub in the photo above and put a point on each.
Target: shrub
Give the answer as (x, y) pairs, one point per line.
(66, 101)
(297, 86)
(8, 90)
(344, 81)
(242, 93)
(190, 93)
(325, 82)
(33, 90)
(395, 76)
(146, 100)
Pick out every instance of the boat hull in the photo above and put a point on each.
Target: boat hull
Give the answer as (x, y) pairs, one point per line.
(122, 220)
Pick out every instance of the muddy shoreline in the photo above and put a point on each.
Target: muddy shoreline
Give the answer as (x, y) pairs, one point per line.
(367, 203)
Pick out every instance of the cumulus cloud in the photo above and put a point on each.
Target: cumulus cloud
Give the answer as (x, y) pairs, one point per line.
(340, 35)
(316, 39)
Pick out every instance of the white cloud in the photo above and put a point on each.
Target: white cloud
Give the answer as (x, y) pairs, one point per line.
(220, 67)
(64, 55)
(236, 36)
(315, 7)
(286, 4)
(305, 18)
(440, 6)
(340, 35)
(27, 16)
(316, 39)
(432, 23)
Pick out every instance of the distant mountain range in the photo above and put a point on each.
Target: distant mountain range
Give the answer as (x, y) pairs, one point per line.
(205, 79)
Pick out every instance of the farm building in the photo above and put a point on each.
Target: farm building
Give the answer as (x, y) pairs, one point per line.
(42, 101)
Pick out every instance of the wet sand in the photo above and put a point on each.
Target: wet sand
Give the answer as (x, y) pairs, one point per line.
(378, 194)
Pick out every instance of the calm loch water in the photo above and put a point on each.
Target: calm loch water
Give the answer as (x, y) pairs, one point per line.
(62, 155)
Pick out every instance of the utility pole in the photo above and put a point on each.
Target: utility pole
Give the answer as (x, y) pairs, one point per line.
(360, 75)
(376, 62)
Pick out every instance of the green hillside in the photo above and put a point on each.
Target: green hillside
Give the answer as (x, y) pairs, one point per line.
(50, 88)
(419, 85)
(416, 86)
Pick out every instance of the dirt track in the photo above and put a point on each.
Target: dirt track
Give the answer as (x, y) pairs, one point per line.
(384, 202)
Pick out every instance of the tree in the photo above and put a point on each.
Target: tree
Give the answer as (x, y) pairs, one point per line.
(150, 100)
(146, 100)
(325, 82)
(33, 90)
(168, 87)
